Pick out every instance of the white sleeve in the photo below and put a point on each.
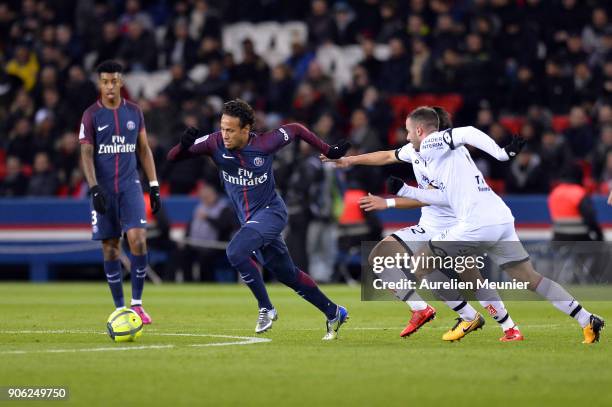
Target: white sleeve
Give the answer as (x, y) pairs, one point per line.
(427, 196)
(402, 154)
(476, 138)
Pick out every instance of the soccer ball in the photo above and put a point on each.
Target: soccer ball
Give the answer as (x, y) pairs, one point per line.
(124, 325)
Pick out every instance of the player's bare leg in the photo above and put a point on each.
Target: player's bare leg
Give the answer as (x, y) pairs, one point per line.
(422, 312)
(561, 299)
(137, 240)
(492, 302)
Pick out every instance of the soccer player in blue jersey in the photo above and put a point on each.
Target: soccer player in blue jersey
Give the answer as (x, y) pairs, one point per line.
(244, 159)
(112, 137)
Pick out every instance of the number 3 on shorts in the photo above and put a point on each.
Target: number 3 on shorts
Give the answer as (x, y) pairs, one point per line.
(94, 218)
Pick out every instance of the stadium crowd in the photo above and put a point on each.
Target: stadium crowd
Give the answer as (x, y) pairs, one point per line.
(543, 68)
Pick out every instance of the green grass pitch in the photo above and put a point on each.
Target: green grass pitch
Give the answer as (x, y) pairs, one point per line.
(368, 365)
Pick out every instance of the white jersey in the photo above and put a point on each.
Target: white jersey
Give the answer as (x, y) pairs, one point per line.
(460, 183)
(433, 217)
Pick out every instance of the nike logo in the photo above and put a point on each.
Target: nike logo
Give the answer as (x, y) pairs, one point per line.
(143, 221)
(227, 156)
(102, 128)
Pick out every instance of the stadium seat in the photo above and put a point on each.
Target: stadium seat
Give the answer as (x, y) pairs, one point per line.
(560, 123)
(512, 124)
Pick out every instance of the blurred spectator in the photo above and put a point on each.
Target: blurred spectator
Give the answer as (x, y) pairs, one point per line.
(203, 21)
(24, 65)
(181, 87)
(579, 134)
(362, 136)
(555, 153)
(391, 24)
(15, 183)
(345, 26)
(600, 155)
(252, 71)
(212, 221)
(44, 181)
(422, 66)
(109, 44)
(182, 50)
(395, 73)
(20, 140)
(526, 175)
(215, 83)
(525, 92)
(370, 62)
(557, 88)
(133, 13)
(67, 157)
(80, 92)
(280, 90)
(138, 49)
(320, 23)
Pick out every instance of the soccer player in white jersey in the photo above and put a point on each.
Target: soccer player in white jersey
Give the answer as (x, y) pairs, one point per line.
(434, 220)
(484, 220)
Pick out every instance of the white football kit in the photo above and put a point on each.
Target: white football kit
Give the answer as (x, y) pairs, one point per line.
(481, 219)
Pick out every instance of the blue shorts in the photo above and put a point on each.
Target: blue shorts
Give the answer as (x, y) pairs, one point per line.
(269, 223)
(124, 211)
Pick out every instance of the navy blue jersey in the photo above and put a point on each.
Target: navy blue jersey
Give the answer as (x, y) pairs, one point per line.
(247, 173)
(114, 135)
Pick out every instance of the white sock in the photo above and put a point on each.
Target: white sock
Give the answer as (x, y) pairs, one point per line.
(136, 302)
(465, 310)
(118, 308)
(491, 301)
(410, 297)
(415, 302)
(563, 301)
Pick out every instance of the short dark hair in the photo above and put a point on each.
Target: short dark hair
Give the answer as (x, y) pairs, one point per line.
(240, 109)
(109, 66)
(443, 117)
(426, 116)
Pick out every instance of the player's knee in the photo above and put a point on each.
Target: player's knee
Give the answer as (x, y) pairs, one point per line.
(235, 254)
(110, 250)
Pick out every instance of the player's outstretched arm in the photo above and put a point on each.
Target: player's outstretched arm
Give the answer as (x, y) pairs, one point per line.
(427, 196)
(376, 203)
(148, 165)
(193, 143)
(376, 158)
(610, 198)
(274, 140)
(476, 138)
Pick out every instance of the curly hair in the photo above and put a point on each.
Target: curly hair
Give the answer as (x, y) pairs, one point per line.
(109, 66)
(444, 117)
(240, 109)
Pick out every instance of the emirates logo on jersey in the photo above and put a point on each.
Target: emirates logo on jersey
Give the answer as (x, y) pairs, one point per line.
(258, 161)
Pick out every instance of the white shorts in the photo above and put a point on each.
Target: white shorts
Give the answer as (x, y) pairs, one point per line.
(499, 242)
(414, 237)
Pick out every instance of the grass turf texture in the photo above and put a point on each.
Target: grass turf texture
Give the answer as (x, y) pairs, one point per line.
(368, 365)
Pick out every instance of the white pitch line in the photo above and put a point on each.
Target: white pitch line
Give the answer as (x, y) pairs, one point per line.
(243, 340)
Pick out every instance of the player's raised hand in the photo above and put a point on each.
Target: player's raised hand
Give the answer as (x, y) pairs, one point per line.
(189, 137)
(342, 162)
(154, 199)
(515, 146)
(372, 203)
(338, 150)
(98, 200)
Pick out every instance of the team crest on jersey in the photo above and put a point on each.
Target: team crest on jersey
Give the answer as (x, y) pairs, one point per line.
(258, 161)
(131, 125)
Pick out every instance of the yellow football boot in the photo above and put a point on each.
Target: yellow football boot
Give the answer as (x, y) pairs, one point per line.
(592, 330)
(463, 328)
